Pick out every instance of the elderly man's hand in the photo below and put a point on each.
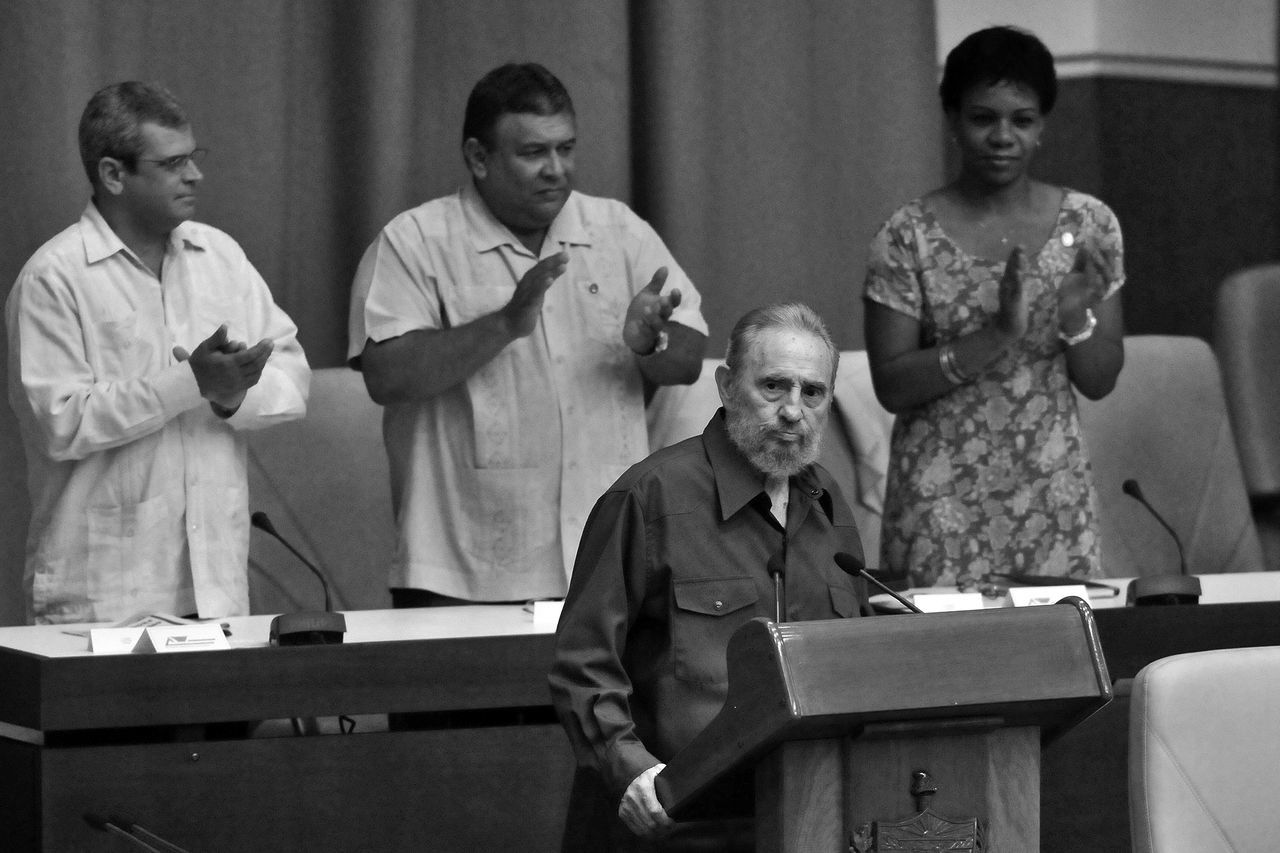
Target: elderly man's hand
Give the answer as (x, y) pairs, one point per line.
(648, 313)
(640, 809)
(225, 369)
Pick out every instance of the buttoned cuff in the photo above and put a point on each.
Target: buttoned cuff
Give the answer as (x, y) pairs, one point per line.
(627, 761)
(177, 389)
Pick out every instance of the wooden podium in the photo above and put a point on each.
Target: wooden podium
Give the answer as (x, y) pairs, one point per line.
(839, 720)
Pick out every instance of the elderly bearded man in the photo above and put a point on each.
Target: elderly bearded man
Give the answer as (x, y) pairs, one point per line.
(674, 559)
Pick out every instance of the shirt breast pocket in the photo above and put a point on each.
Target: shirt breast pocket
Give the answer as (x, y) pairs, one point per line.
(121, 353)
(466, 302)
(844, 601)
(706, 613)
(594, 299)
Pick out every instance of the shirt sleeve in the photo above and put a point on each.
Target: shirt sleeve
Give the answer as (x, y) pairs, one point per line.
(75, 413)
(394, 290)
(282, 390)
(589, 682)
(1110, 241)
(892, 269)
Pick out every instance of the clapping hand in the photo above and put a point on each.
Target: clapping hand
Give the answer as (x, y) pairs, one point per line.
(1081, 289)
(526, 303)
(226, 369)
(648, 313)
(1011, 317)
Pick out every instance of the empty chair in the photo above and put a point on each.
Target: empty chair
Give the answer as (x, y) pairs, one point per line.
(1246, 337)
(1203, 753)
(1166, 426)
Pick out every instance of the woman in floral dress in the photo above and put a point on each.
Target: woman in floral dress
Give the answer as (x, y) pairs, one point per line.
(987, 301)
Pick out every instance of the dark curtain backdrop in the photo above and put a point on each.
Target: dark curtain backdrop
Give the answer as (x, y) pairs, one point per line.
(765, 139)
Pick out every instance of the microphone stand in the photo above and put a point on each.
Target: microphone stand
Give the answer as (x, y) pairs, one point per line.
(302, 629)
(778, 571)
(851, 565)
(1181, 588)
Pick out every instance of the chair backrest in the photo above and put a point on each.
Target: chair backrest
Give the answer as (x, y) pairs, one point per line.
(1246, 338)
(323, 482)
(1166, 426)
(1203, 752)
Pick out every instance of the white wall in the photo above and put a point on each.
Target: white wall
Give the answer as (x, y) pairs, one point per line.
(1229, 42)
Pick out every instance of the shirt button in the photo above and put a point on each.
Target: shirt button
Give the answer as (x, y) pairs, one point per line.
(593, 287)
(719, 605)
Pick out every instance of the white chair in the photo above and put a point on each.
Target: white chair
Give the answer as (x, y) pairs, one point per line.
(1204, 753)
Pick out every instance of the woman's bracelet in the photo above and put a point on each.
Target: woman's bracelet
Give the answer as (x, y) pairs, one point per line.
(950, 365)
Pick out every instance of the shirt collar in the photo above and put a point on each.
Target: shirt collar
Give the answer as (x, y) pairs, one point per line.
(738, 483)
(488, 233)
(101, 242)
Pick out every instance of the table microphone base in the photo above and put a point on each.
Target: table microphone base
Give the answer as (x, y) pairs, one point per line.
(313, 628)
(1164, 589)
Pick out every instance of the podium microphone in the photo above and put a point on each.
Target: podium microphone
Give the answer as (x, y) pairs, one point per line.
(307, 628)
(137, 830)
(854, 567)
(778, 571)
(1162, 589)
(99, 822)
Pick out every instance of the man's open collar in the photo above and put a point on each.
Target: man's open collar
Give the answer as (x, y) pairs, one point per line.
(487, 233)
(101, 241)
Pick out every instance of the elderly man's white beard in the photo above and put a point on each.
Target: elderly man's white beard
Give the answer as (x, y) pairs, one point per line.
(776, 459)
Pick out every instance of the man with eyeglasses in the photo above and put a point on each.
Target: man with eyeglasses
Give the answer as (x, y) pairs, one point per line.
(511, 330)
(133, 376)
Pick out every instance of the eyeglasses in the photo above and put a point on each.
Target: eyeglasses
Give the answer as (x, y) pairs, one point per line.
(178, 162)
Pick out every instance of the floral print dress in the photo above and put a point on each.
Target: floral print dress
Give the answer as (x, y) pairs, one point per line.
(992, 476)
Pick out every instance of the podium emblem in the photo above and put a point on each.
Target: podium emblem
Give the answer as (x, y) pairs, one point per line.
(925, 832)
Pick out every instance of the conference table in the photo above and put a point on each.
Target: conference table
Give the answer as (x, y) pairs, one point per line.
(260, 747)
(197, 747)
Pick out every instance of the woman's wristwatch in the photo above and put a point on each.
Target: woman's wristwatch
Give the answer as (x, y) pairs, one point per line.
(659, 345)
(1090, 322)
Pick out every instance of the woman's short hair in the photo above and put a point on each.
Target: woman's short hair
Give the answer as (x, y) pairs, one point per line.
(512, 88)
(111, 124)
(999, 55)
(794, 316)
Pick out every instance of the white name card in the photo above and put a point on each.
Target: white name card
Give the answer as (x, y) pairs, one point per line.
(113, 641)
(1031, 596)
(943, 602)
(158, 639)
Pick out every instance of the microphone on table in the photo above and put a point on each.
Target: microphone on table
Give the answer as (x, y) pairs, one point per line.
(1181, 588)
(137, 830)
(778, 571)
(100, 822)
(309, 627)
(854, 567)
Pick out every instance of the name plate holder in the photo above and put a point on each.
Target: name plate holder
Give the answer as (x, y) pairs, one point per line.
(1034, 596)
(157, 639)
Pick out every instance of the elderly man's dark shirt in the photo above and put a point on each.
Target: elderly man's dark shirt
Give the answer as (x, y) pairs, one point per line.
(672, 561)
